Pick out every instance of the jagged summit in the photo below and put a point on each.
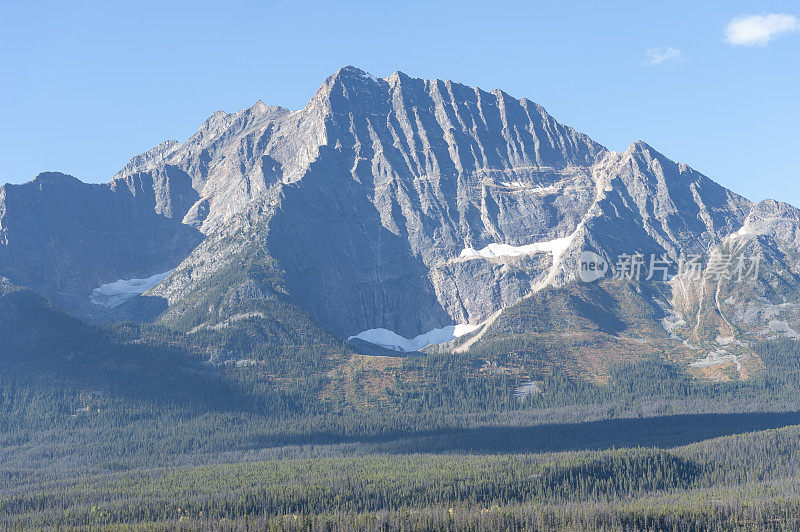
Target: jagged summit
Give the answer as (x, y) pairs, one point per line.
(46, 178)
(399, 203)
(151, 156)
(352, 72)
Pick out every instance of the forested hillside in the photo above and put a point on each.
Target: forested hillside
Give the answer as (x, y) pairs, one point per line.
(735, 482)
(129, 424)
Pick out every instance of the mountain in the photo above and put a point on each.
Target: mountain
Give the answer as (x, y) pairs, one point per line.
(757, 299)
(63, 238)
(391, 208)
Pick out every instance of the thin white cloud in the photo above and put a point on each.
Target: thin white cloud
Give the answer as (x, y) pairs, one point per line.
(657, 56)
(758, 30)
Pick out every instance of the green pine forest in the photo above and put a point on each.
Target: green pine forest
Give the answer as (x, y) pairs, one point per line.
(130, 426)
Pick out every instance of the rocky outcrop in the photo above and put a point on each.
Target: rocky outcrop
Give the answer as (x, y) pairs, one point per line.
(759, 298)
(63, 238)
(397, 203)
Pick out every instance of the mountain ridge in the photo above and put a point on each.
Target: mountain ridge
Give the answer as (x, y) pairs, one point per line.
(398, 203)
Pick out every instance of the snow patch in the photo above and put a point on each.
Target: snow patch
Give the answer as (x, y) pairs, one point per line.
(392, 340)
(741, 232)
(557, 247)
(527, 186)
(115, 294)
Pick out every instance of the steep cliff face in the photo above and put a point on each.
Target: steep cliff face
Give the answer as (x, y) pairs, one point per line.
(759, 297)
(378, 186)
(410, 204)
(63, 238)
(412, 173)
(646, 203)
(395, 203)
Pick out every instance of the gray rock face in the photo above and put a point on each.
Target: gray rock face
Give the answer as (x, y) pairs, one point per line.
(399, 203)
(63, 238)
(646, 203)
(375, 188)
(760, 300)
(413, 172)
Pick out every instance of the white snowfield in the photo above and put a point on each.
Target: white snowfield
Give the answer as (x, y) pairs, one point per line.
(114, 294)
(743, 231)
(557, 247)
(550, 189)
(392, 340)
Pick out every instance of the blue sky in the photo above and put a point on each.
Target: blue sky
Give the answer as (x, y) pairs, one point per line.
(86, 85)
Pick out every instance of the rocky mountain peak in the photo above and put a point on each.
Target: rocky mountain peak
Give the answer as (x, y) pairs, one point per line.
(351, 73)
(398, 76)
(398, 203)
(45, 178)
(771, 217)
(49, 180)
(646, 154)
(149, 158)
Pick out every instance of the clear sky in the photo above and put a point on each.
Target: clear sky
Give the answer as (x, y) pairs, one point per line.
(85, 86)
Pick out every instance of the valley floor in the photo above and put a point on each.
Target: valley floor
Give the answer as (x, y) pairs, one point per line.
(742, 481)
(115, 429)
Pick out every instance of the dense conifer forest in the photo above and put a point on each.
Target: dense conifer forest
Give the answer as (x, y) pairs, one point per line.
(129, 425)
